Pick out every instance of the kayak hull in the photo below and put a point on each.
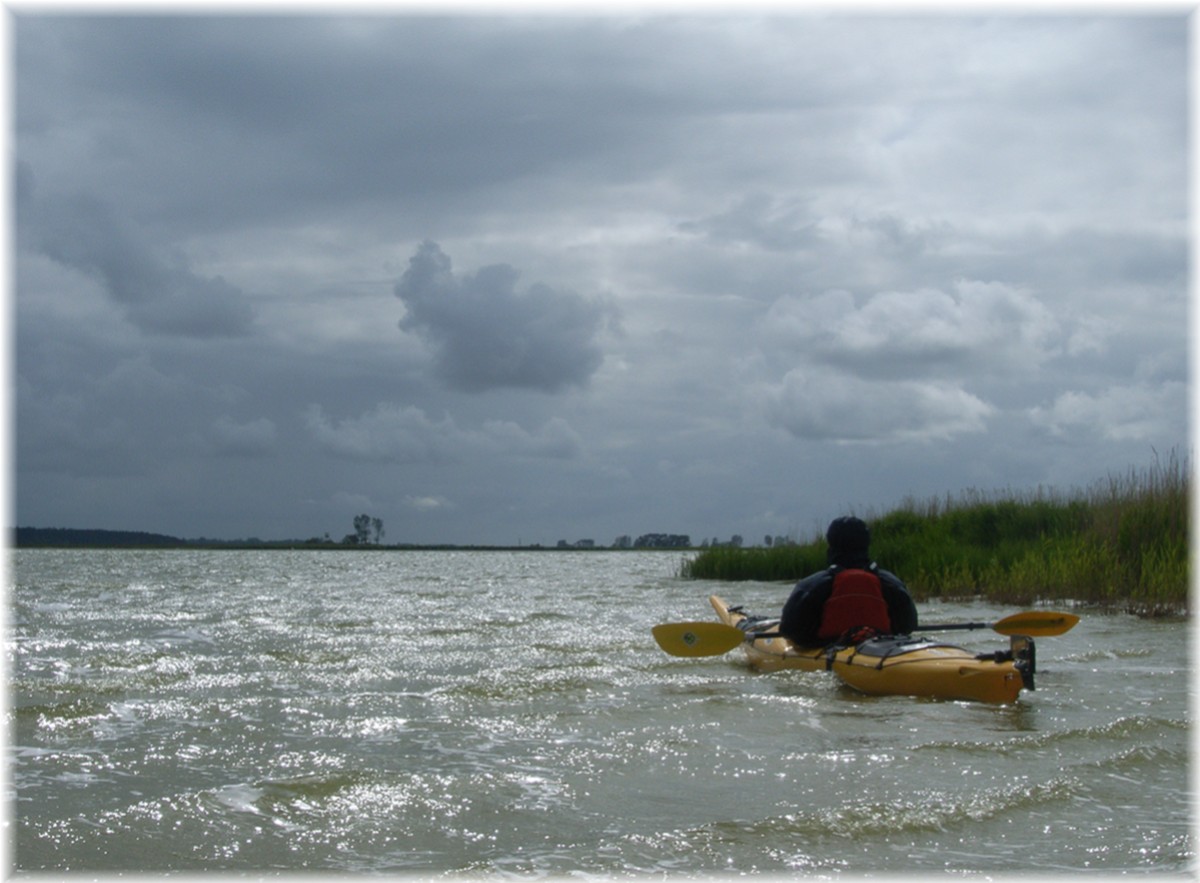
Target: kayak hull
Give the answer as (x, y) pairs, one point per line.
(889, 666)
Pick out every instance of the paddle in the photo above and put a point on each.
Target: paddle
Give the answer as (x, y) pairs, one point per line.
(715, 638)
(697, 638)
(1031, 624)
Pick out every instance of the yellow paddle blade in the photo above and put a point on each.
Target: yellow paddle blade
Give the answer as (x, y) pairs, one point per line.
(1036, 623)
(697, 638)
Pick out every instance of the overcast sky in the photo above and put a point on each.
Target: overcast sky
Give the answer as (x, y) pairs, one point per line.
(519, 278)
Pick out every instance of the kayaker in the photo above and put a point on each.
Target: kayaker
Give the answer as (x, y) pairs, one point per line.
(853, 593)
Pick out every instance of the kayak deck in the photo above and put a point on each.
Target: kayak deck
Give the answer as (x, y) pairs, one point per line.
(892, 665)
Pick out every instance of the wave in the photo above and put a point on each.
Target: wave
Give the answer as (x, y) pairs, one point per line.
(1118, 732)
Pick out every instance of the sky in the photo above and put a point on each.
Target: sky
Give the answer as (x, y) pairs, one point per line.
(522, 276)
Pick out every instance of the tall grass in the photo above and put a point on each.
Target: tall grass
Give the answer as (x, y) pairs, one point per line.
(1122, 543)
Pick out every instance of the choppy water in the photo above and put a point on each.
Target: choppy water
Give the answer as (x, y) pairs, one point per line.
(478, 713)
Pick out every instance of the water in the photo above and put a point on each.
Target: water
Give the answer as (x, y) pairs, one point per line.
(442, 713)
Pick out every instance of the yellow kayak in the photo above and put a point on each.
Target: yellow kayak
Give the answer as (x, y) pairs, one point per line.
(893, 665)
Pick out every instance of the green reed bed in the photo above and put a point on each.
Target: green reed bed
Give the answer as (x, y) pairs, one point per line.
(1121, 543)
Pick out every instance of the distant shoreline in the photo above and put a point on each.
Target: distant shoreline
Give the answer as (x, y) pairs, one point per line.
(78, 538)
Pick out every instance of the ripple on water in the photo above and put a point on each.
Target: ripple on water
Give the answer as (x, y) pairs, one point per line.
(433, 714)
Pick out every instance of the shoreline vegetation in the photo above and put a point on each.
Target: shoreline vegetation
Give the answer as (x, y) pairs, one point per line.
(1123, 544)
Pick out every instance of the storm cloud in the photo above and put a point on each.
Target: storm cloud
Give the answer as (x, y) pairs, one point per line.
(157, 294)
(488, 335)
(553, 277)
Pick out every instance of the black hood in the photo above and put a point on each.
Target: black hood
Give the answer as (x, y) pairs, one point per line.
(849, 542)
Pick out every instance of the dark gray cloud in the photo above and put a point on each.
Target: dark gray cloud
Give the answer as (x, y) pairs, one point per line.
(391, 433)
(245, 118)
(488, 335)
(158, 294)
(256, 438)
(853, 259)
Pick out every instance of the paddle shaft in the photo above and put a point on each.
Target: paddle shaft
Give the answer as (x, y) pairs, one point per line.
(941, 627)
(1034, 624)
(954, 626)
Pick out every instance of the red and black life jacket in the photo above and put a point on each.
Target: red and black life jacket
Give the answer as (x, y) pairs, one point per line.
(856, 601)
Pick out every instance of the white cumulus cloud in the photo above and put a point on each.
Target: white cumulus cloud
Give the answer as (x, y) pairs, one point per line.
(1121, 413)
(826, 405)
(919, 331)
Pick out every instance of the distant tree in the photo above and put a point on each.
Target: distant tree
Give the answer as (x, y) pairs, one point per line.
(366, 527)
(737, 541)
(767, 541)
(624, 541)
(362, 528)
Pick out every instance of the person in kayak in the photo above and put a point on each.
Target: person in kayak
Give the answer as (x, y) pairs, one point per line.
(850, 595)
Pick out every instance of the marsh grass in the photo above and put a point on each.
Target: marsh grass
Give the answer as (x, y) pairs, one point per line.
(1121, 543)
